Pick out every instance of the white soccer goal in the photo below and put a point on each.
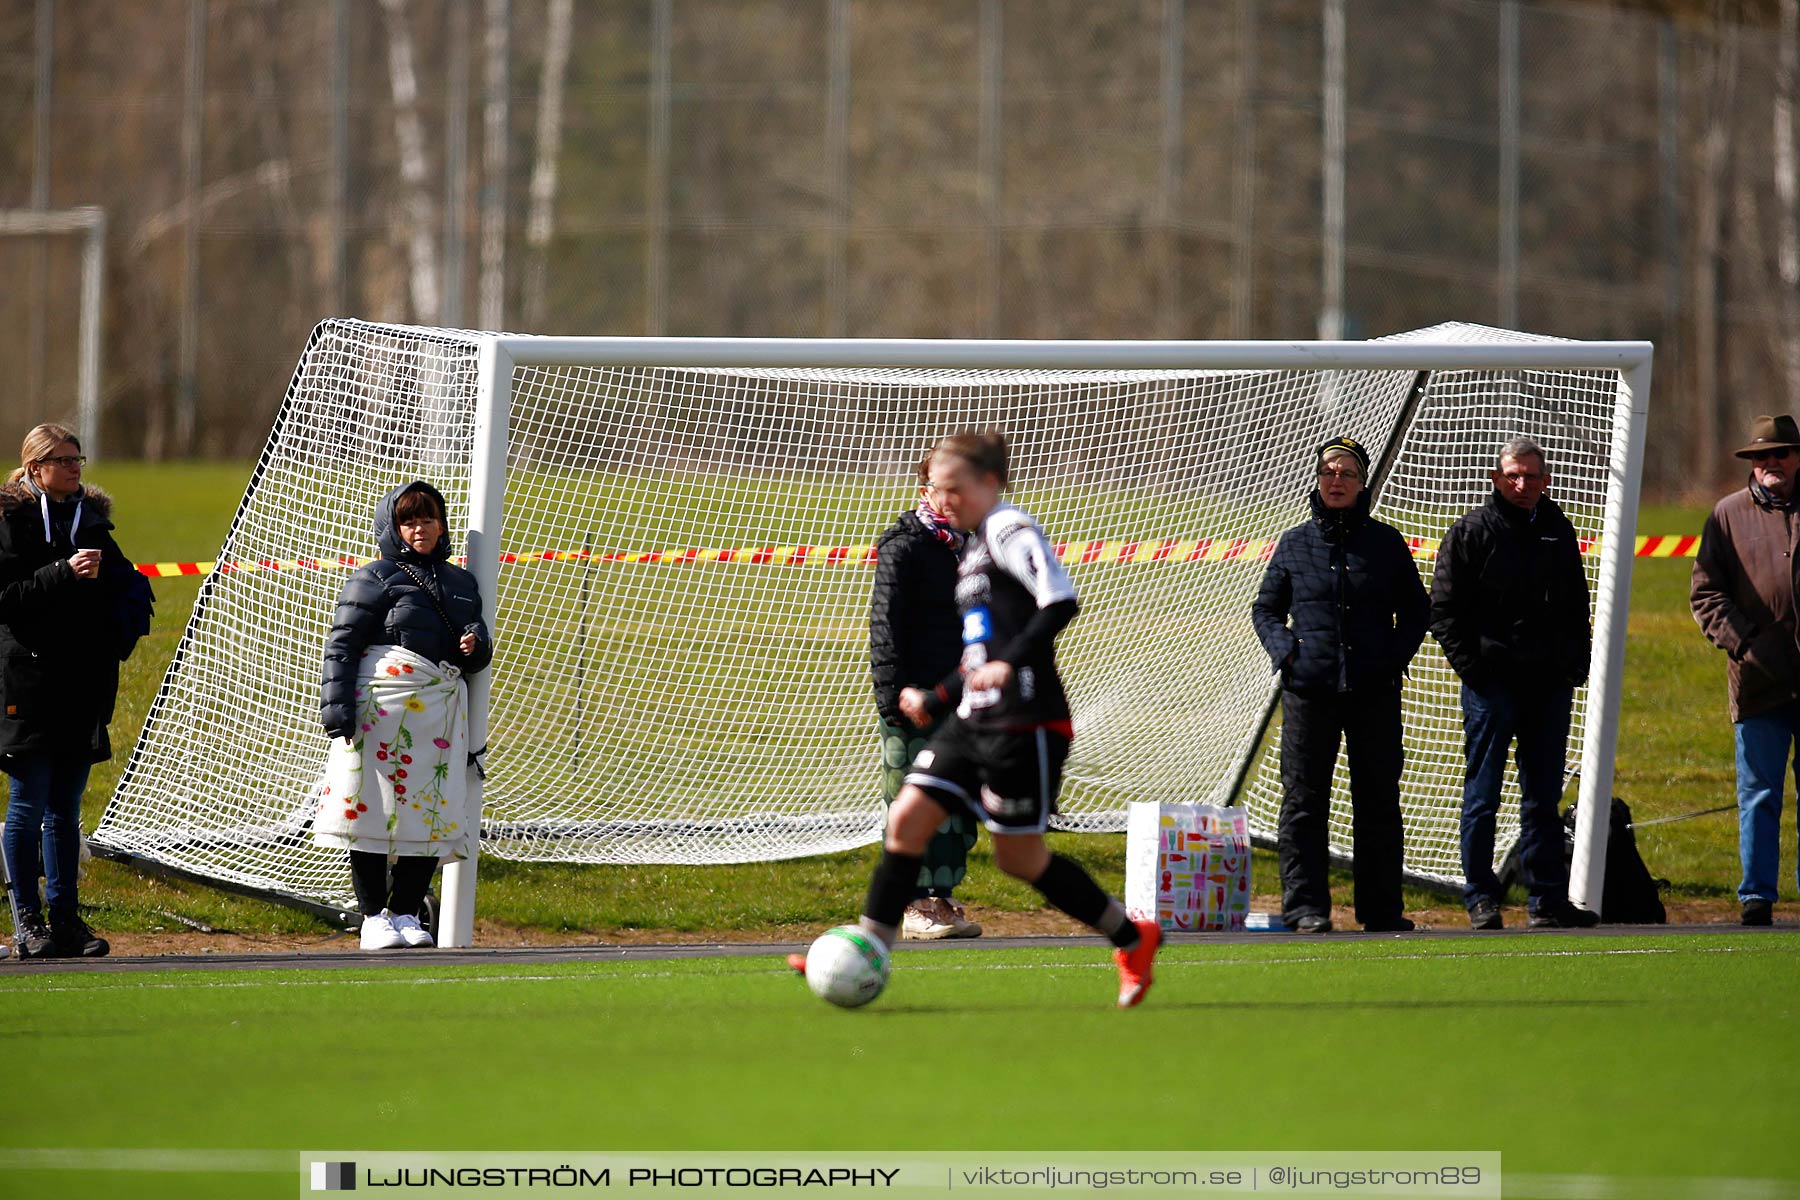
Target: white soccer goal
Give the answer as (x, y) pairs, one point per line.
(89, 224)
(674, 537)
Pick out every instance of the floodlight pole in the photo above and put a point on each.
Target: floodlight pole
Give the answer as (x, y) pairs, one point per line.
(1612, 603)
(487, 494)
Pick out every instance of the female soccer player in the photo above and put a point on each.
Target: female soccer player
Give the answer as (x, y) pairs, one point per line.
(1000, 754)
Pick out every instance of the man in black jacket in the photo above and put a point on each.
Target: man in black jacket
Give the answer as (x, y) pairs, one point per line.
(1509, 605)
(1341, 612)
(915, 640)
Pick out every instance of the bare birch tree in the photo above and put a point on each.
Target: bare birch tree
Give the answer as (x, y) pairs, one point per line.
(540, 222)
(419, 225)
(1709, 216)
(1787, 197)
(495, 134)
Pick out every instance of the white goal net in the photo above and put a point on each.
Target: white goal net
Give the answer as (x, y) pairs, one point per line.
(681, 616)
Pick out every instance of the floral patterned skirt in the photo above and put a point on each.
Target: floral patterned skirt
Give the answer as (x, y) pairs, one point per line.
(403, 787)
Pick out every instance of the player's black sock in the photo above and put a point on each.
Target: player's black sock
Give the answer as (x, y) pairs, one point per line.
(892, 887)
(1066, 884)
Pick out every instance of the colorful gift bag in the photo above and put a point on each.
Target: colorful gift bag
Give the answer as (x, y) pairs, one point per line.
(1188, 866)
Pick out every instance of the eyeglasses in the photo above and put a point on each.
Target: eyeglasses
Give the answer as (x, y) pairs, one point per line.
(1767, 455)
(67, 460)
(1352, 476)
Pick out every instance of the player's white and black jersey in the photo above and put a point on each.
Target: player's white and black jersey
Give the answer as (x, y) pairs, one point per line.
(1009, 572)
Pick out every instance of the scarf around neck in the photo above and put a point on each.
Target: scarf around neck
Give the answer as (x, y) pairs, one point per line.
(939, 527)
(1768, 499)
(44, 503)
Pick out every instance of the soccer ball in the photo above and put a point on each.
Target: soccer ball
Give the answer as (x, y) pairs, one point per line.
(847, 966)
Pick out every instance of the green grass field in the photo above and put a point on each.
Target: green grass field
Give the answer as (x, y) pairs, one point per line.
(1642, 1060)
(1634, 1066)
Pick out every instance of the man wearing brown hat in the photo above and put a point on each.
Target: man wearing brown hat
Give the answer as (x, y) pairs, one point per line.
(1743, 598)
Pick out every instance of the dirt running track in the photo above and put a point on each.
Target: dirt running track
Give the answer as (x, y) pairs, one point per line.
(547, 955)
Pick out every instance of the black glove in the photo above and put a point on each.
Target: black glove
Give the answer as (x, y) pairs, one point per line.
(339, 725)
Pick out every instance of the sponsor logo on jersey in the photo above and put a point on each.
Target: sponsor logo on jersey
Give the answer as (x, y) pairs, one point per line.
(1027, 684)
(978, 626)
(1009, 530)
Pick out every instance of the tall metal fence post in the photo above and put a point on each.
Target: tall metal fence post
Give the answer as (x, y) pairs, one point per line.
(988, 154)
(656, 182)
(193, 132)
(837, 168)
(43, 77)
(1508, 288)
(1173, 136)
(1243, 176)
(1331, 256)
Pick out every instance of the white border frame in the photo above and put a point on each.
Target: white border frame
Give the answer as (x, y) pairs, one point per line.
(499, 355)
(91, 223)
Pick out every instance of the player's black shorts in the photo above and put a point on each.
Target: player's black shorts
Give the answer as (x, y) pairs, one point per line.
(1008, 778)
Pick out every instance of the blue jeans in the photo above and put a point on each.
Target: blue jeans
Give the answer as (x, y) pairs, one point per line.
(1763, 743)
(1538, 719)
(43, 816)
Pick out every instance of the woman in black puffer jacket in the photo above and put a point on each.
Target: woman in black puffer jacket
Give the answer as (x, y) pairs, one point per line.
(915, 639)
(407, 633)
(1341, 612)
(71, 608)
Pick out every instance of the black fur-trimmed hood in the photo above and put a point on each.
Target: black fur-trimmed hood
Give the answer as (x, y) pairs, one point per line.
(18, 494)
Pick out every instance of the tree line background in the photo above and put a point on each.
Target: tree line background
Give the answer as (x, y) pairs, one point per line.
(924, 168)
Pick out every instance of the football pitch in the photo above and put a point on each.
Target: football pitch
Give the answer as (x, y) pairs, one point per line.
(1636, 1065)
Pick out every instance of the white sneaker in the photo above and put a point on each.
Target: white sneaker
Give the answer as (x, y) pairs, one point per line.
(922, 922)
(379, 933)
(410, 929)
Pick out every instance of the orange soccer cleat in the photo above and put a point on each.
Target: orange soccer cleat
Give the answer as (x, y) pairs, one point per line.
(1134, 964)
(797, 962)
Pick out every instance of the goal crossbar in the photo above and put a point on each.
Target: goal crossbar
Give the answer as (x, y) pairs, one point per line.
(705, 352)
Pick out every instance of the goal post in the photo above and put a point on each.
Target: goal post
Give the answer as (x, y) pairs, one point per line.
(1612, 606)
(89, 224)
(674, 535)
(487, 517)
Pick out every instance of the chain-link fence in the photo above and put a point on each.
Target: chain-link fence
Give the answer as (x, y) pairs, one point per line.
(1022, 168)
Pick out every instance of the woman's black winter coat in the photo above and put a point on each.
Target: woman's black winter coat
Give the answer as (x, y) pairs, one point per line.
(62, 637)
(915, 634)
(1342, 595)
(382, 605)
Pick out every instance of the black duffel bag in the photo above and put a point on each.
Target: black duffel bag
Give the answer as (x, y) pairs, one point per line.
(1631, 896)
